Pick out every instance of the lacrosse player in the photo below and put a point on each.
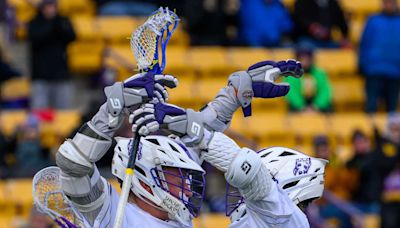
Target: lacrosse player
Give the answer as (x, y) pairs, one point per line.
(168, 185)
(276, 184)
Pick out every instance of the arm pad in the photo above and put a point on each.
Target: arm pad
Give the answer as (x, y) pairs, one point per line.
(248, 174)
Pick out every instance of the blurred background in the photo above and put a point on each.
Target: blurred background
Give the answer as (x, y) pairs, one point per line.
(56, 57)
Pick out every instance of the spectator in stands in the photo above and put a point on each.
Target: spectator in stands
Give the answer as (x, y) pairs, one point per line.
(50, 34)
(336, 182)
(313, 91)
(391, 202)
(379, 59)
(263, 23)
(206, 21)
(30, 155)
(366, 195)
(315, 20)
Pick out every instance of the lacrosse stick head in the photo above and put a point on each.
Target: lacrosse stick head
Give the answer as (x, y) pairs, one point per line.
(49, 198)
(146, 39)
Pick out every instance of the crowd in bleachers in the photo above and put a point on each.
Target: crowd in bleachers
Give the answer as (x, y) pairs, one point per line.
(343, 108)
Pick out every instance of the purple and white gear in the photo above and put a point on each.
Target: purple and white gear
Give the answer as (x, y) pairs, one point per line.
(187, 124)
(155, 154)
(299, 175)
(136, 90)
(259, 81)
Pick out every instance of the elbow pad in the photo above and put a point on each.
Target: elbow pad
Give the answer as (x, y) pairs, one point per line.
(248, 174)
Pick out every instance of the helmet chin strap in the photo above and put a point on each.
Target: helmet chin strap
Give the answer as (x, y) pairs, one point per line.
(148, 202)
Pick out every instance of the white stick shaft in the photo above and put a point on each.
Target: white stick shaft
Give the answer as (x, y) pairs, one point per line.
(123, 199)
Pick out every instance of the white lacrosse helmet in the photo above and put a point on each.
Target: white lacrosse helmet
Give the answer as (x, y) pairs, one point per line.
(298, 174)
(154, 153)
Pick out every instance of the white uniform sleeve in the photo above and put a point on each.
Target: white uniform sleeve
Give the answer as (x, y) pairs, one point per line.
(275, 210)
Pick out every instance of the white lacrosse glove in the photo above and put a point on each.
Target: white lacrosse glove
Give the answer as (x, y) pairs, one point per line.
(136, 90)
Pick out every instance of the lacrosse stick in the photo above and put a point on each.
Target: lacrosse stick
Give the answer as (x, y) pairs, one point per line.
(50, 199)
(145, 42)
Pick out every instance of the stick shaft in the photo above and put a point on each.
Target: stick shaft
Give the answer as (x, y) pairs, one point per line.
(126, 186)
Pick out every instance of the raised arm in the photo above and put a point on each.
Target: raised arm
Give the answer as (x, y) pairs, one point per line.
(76, 157)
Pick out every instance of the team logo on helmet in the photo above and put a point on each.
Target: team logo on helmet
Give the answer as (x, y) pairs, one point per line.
(302, 166)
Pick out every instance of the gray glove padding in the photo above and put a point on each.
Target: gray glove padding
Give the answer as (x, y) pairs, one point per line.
(187, 124)
(138, 89)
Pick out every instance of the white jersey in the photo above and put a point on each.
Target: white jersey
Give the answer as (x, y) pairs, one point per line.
(134, 216)
(276, 210)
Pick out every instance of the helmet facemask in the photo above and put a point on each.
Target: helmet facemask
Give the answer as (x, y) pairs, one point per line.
(186, 185)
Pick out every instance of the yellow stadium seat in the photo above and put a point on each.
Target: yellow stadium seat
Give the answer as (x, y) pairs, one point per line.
(85, 28)
(307, 126)
(344, 124)
(120, 56)
(10, 120)
(243, 58)
(66, 121)
(179, 38)
(208, 88)
(184, 94)
(361, 7)
(282, 54)
(267, 126)
(209, 61)
(19, 191)
(211, 220)
(289, 4)
(371, 221)
(276, 105)
(85, 57)
(348, 94)
(337, 61)
(116, 29)
(75, 7)
(380, 121)
(6, 221)
(176, 62)
(356, 29)
(16, 88)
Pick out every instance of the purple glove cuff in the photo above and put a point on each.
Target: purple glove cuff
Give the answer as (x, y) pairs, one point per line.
(161, 110)
(261, 64)
(288, 67)
(146, 82)
(269, 90)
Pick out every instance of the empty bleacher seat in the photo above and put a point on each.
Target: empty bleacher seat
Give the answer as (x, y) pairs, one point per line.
(15, 88)
(184, 94)
(243, 58)
(208, 88)
(361, 7)
(116, 29)
(348, 94)
(76, 7)
(306, 125)
(85, 28)
(344, 124)
(335, 62)
(10, 120)
(210, 61)
(85, 57)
